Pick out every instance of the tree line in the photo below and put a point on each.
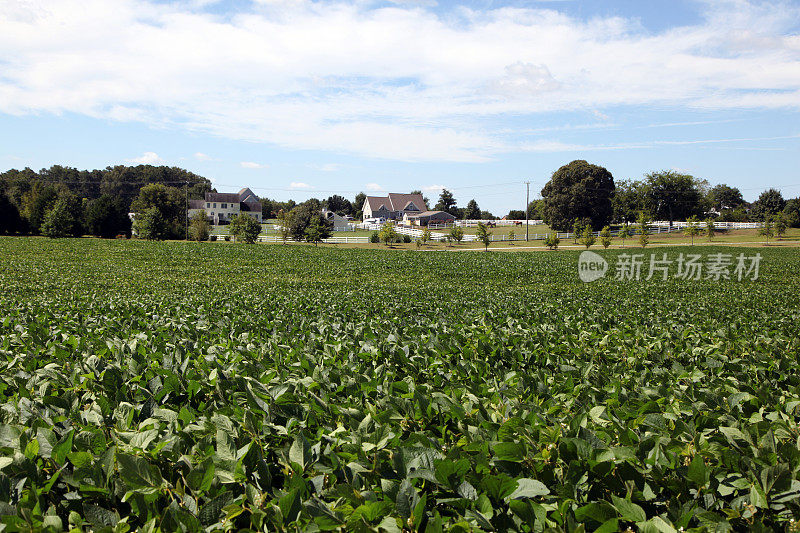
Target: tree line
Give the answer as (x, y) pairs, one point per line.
(63, 201)
(582, 195)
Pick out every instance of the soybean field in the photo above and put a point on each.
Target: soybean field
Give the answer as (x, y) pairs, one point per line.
(223, 387)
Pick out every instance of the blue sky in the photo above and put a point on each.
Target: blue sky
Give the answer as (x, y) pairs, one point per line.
(297, 98)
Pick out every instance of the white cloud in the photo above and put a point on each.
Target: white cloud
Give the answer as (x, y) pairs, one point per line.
(431, 188)
(147, 158)
(299, 185)
(200, 156)
(416, 84)
(373, 187)
(251, 164)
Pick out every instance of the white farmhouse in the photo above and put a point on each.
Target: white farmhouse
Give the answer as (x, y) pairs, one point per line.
(221, 207)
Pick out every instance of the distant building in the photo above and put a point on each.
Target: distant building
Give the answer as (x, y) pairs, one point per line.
(221, 207)
(428, 217)
(394, 206)
(339, 222)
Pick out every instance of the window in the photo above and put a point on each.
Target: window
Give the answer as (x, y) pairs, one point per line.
(215, 205)
(208, 204)
(224, 206)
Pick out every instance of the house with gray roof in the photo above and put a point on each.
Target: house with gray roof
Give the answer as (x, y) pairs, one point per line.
(221, 207)
(394, 206)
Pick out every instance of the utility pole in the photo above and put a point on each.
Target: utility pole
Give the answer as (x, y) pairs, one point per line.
(186, 188)
(527, 202)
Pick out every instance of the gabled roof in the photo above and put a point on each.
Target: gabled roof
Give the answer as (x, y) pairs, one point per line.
(397, 202)
(254, 207)
(222, 197)
(400, 201)
(197, 204)
(376, 202)
(246, 195)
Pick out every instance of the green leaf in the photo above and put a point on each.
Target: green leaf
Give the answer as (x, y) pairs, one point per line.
(300, 451)
(528, 488)
(697, 471)
(757, 496)
(509, 451)
(628, 510)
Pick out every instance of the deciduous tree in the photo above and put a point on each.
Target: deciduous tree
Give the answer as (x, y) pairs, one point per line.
(577, 191)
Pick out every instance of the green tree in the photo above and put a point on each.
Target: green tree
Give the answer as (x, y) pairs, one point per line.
(107, 217)
(171, 205)
(767, 230)
(587, 237)
(358, 203)
(472, 211)
(624, 233)
(483, 235)
(199, 227)
(644, 230)
(769, 204)
(552, 241)
(670, 195)
(577, 229)
(710, 229)
(36, 202)
(245, 228)
(457, 234)
(285, 225)
(301, 217)
(722, 197)
(605, 237)
(516, 214)
(10, 221)
(426, 236)
(792, 213)
(780, 225)
(339, 205)
(578, 191)
(317, 231)
(150, 225)
(388, 234)
(59, 221)
(628, 200)
(447, 203)
(692, 228)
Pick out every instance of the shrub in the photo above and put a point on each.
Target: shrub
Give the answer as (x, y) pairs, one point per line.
(375, 237)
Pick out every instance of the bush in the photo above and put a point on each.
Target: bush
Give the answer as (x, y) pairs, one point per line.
(212, 238)
(375, 238)
(406, 239)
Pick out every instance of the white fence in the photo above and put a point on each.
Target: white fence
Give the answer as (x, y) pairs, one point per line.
(330, 240)
(717, 225)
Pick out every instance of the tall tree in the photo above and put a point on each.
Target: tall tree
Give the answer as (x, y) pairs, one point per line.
(10, 221)
(171, 205)
(628, 200)
(199, 226)
(301, 216)
(724, 197)
(769, 204)
(576, 191)
(447, 203)
(792, 213)
(339, 205)
(107, 217)
(472, 211)
(36, 203)
(61, 219)
(670, 195)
